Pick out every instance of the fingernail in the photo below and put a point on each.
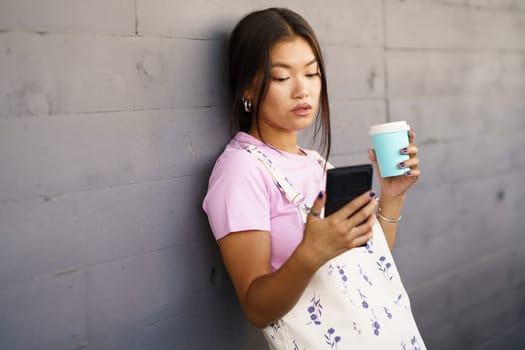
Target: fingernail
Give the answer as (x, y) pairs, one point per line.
(402, 165)
(320, 195)
(404, 150)
(408, 173)
(372, 194)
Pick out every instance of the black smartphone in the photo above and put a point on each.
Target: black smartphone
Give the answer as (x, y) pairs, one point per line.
(346, 183)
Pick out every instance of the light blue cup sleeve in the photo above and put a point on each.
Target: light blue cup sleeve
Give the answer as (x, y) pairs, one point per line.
(388, 152)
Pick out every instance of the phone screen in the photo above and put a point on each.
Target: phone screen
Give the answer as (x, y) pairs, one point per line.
(346, 183)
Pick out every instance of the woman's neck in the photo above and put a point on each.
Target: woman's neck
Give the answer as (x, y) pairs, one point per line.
(283, 141)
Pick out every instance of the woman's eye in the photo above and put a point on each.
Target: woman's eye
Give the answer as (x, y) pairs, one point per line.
(311, 75)
(279, 78)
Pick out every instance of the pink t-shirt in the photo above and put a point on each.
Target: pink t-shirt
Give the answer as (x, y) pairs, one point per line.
(242, 195)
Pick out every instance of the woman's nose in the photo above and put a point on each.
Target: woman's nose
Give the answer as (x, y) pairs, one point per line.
(301, 90)
(302, 94)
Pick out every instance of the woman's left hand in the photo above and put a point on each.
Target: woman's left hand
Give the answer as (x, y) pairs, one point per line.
(397, 186)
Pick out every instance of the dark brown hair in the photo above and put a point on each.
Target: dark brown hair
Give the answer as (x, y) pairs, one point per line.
(251, 42)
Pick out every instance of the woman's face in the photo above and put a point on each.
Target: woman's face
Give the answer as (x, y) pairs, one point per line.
(292, 99)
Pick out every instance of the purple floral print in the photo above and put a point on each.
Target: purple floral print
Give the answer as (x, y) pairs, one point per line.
(295, 346)
(275, 329)
(341, 273)
(315, 311)
(398, 299)
(369, 246)
(356, 328)
(364, 276)
(414, 345)
(364, 304)
(376, 327)
(384, 267)
(387, 312)
(375, 324)
(331, 339)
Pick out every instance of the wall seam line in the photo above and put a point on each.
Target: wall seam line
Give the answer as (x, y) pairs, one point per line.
(385, 64)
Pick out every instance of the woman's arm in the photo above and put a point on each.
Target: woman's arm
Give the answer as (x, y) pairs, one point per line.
(266, 296)
(394, 189)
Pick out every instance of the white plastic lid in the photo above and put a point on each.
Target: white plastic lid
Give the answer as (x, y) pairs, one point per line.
(388, 127)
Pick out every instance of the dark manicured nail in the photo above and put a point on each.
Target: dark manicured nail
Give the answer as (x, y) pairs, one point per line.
(320, 195)
(404, 150)
(402, 165)
(372, 194)
(408, 173)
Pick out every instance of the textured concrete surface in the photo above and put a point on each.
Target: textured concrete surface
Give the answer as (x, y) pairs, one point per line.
(112, 113)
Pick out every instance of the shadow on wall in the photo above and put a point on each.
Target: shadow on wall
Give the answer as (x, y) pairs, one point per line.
(220, 311)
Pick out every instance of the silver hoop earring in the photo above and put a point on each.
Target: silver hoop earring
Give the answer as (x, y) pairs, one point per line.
(247, 104)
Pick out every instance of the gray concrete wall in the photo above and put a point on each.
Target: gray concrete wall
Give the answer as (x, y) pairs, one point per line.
(112, 112)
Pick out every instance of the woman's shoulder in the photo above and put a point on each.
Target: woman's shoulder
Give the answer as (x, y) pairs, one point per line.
(237, 174)
(236, 158)
(235, 166)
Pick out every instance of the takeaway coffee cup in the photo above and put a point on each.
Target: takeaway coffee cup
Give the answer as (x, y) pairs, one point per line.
(388, 140)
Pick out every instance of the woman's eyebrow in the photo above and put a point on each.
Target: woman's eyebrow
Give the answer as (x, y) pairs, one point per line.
(284, 65)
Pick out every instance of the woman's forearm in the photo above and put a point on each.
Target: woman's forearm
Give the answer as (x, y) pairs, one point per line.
(390, 208)
(271, 296)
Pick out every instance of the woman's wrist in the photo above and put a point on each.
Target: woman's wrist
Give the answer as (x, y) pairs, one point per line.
(387, 219)
(308, 258)
(390, 208)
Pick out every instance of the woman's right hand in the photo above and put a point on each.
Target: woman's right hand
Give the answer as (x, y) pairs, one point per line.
(349, 227)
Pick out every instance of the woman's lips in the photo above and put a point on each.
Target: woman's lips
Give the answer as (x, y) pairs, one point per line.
(302, 109)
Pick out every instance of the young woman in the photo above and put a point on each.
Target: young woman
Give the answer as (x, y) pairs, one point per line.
(309, 282)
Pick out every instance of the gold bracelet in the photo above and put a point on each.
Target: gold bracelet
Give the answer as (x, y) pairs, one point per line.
(392, 221)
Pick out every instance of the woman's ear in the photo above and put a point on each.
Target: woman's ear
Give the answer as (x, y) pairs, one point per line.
(248, 93)
(252, 90)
